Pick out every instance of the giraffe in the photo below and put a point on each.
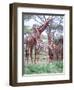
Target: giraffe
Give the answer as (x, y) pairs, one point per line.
(32, 39)
(55, 51)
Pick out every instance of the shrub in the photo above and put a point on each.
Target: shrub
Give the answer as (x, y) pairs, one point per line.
(53, 67)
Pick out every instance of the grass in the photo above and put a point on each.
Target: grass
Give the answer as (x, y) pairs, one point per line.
(53, 67)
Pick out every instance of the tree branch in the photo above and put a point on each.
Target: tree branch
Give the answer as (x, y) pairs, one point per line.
(44, 17)
(37, 20)
(40, 18)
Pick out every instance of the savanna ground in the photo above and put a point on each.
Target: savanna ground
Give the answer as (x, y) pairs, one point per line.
(55, 66)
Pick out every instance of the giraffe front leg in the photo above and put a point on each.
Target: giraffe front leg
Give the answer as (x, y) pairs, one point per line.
(31, 49)
(35, 55)
(37, 58)
(27, 54)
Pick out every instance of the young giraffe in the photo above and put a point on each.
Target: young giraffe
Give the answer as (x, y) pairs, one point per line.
(55, 51)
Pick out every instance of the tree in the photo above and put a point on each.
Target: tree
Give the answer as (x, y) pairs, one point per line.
(55, 24)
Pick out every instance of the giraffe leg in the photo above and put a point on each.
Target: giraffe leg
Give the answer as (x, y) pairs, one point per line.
(27, 53)
(31, 49)
(37, 56)
(35, 60)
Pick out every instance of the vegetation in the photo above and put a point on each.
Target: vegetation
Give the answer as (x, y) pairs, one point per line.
(53, 67)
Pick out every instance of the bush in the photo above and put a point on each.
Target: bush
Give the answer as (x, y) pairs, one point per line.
(53, 67)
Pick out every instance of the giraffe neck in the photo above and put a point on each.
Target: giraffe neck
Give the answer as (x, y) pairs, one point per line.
(40, 29)
(43, 27)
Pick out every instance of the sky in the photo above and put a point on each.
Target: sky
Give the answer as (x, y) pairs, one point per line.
(30, 23)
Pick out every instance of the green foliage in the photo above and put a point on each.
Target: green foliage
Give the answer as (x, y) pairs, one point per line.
(27, 31)
(53, 67)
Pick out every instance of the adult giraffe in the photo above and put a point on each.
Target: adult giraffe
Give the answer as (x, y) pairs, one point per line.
(31, 40)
